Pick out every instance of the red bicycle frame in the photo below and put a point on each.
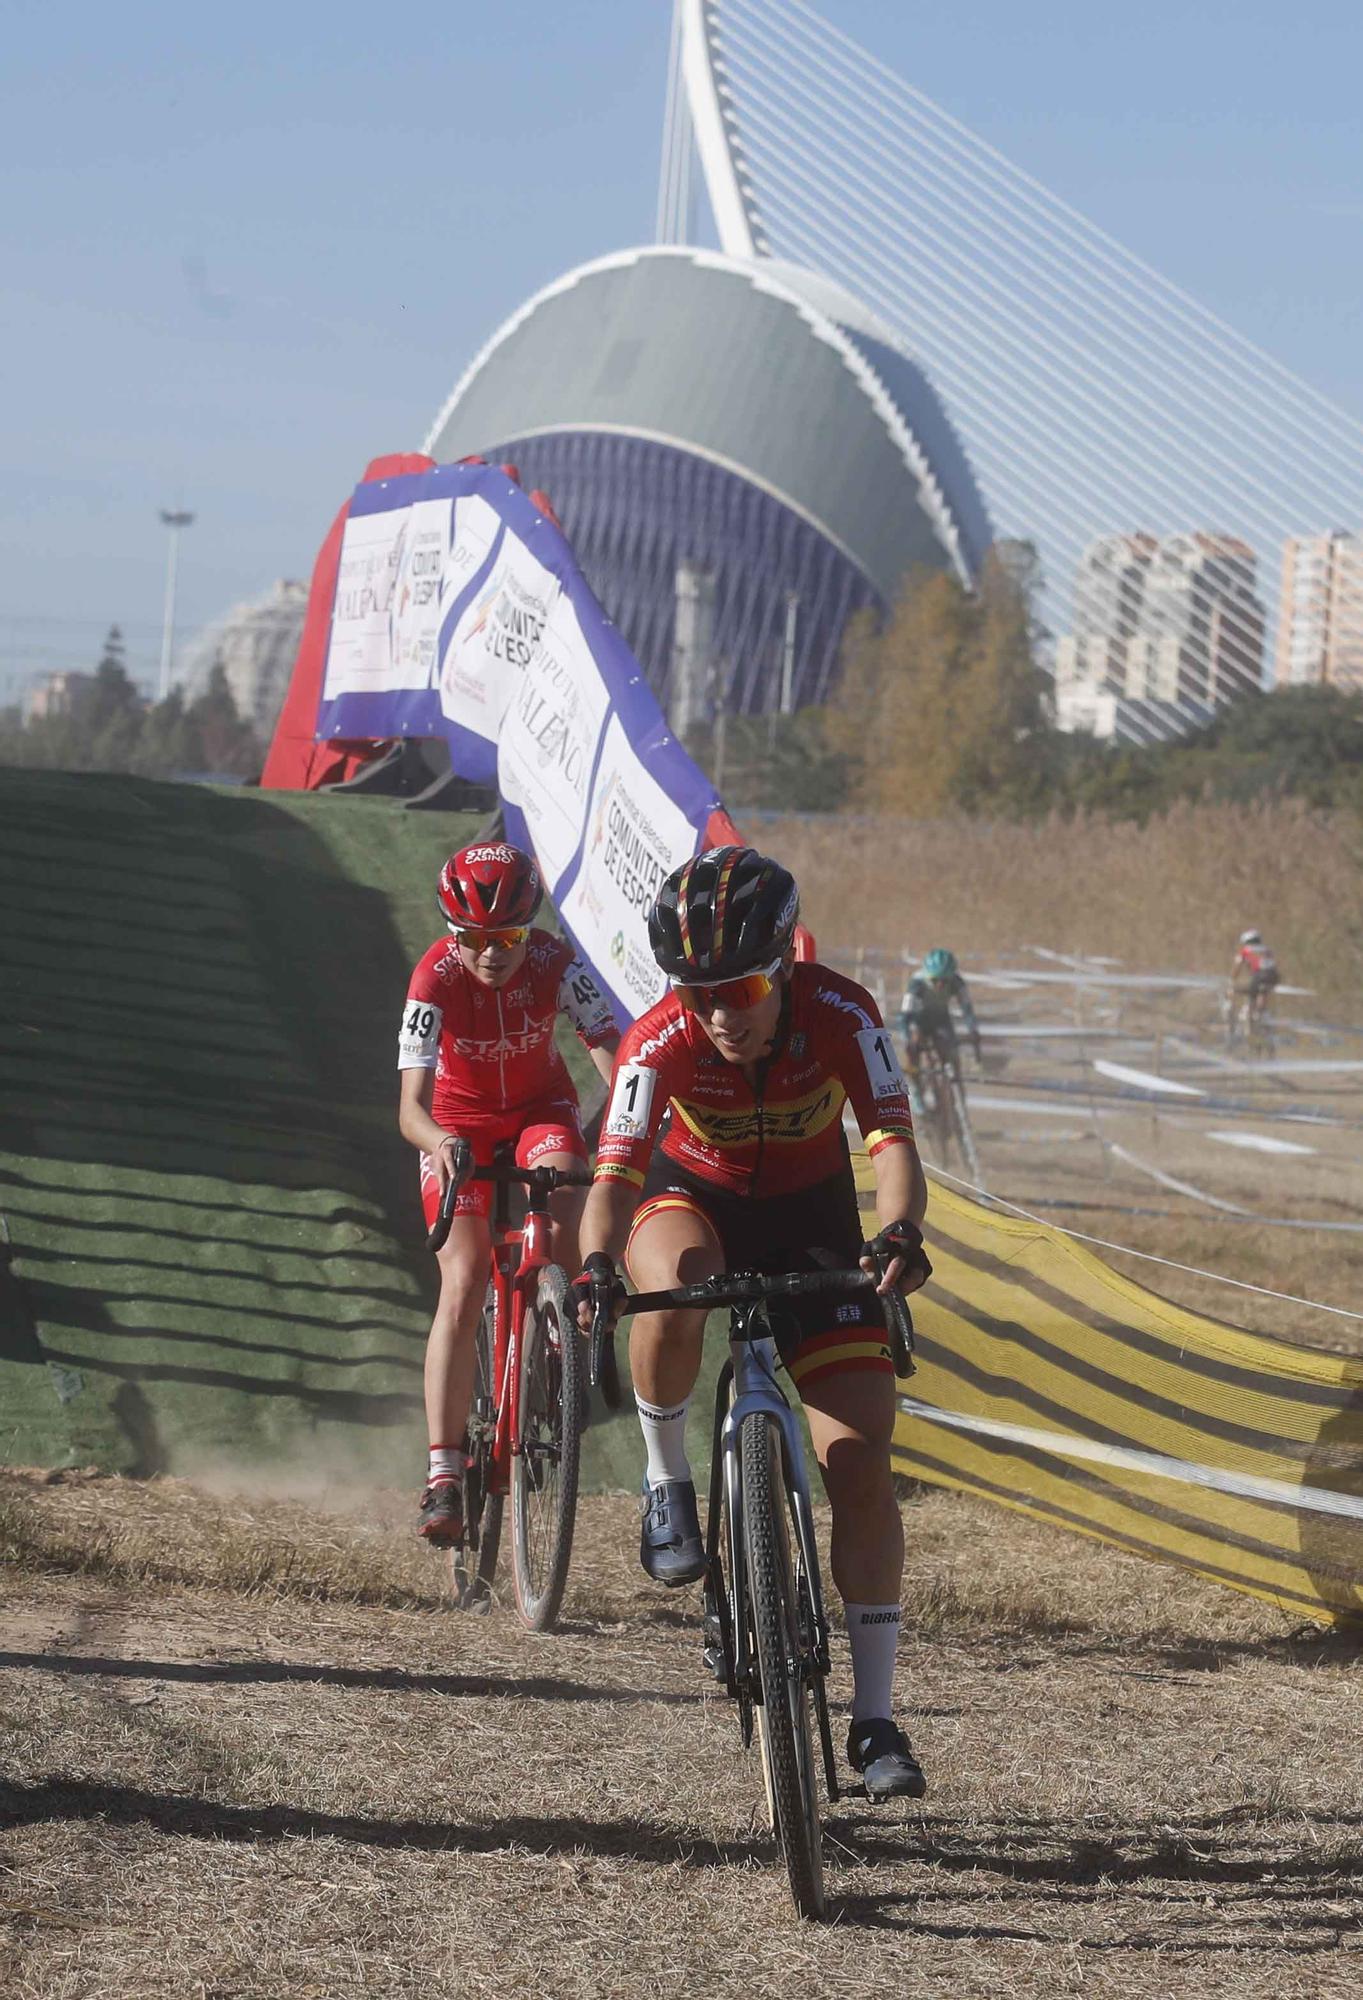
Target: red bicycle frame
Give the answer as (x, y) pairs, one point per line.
(514, 1285)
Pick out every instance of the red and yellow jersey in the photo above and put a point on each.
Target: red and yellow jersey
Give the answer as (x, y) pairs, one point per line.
(780, 1132)
(492, 1048)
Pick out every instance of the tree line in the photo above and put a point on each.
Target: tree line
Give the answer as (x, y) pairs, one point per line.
(942, 708)
(103, 724)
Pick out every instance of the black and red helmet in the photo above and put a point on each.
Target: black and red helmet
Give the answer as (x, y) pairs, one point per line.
(487, 885)
(722, 914)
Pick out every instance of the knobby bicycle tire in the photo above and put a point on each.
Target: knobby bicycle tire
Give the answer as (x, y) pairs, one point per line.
(544, 1473)
(787, 1747)
(482, 1507)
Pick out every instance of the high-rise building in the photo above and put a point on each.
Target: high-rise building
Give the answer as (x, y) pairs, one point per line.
(1170, 630)
(1320, 633)
(256, 643)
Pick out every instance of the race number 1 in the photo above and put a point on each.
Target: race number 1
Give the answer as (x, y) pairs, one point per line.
(631, 1102)
(882, 1064)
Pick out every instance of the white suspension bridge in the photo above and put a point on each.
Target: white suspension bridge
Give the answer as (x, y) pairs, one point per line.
(1169, 473)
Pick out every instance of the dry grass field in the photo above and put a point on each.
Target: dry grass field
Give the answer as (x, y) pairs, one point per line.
(1173, 894)
(247, 1752)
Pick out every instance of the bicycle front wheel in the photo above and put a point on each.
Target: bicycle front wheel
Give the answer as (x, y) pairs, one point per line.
(544, 1472)
(473, 1567)
(938, 1111)
(965, 1134)
(784, 1710)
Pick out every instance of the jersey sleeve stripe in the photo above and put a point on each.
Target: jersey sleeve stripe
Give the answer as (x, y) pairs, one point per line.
(876, 1142)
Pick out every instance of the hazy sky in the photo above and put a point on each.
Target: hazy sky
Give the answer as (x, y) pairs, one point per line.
(246, 248)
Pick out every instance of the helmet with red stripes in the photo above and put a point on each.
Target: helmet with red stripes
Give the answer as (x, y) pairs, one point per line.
(488, 884)
(722, 914)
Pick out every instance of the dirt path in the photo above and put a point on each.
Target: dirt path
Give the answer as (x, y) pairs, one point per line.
(1139, 1785)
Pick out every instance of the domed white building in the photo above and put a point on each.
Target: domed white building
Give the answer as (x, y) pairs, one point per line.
(735, 437)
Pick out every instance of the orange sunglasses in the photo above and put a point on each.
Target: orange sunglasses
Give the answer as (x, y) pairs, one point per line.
(735, 994)
(499, 940)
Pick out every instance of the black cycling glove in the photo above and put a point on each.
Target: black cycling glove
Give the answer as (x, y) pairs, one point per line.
(900, 1239)
(599, 1284)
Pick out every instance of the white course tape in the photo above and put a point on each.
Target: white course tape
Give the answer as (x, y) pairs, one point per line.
(1144, 1080)
(1248, 1485)
(1179, 1187)
(1259, 1142)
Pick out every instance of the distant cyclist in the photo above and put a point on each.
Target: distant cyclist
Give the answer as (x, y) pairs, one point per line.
(1253, 976)
(479, 1062)
(926, 1013)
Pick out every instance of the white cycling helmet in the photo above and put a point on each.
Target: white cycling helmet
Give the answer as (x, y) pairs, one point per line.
(1250, 937)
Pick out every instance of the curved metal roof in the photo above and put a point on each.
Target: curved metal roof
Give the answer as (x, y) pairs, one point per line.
(760, 367)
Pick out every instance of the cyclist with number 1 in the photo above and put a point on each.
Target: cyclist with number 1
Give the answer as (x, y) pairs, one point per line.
(740, 1074)
(478, 1061)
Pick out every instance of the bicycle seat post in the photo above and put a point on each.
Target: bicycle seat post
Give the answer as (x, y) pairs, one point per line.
(504, 1155)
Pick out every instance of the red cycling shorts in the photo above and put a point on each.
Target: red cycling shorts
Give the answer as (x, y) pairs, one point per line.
(547, 1125)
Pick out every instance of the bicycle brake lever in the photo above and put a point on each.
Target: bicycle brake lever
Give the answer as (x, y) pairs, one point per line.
(601, 1335)
(461, 1166)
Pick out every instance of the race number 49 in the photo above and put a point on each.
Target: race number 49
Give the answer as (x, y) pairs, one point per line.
(419, 1035)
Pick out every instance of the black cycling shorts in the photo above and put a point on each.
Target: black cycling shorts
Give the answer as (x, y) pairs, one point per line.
(815, 1336)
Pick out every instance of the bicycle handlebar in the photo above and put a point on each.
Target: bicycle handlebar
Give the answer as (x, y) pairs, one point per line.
(726, 1289)
(462, 1170)
(737, 1288)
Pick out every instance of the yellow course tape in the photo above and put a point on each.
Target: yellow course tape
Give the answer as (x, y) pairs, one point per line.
(1055, 1386)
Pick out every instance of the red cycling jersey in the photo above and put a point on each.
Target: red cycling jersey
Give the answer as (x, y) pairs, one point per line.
(772, 1136)
(492, 1048)
(1257, 960)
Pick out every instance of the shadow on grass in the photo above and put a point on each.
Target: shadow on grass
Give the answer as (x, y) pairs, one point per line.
(395, 1680)
(1040, 1853)
(58, 1799)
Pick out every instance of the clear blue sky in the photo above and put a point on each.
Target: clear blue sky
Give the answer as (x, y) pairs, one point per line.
(247, 247)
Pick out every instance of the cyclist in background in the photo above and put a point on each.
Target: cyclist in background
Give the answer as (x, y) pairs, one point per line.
(740, 1075)
(926, 1012)
(478, 1061)
(1253, 976)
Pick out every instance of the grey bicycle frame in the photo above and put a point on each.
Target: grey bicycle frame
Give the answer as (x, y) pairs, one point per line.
(757, 1392)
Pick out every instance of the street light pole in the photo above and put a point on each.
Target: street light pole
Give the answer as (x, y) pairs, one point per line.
(174, 521)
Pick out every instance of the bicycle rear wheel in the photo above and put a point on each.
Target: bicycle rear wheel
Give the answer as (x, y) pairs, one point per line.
(473, 1567)
(965, 1134)
(544, 1472)
(784, 1714)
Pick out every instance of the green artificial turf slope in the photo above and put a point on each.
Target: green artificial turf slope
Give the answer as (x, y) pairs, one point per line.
(215, 1254)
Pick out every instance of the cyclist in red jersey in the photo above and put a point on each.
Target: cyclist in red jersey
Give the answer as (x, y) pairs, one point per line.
(478, 1061)
(723, 1147)
(1253, 975)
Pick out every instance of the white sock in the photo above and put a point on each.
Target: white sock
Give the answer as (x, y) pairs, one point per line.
(665, 1440)
(873, 1630)
(445, 1462)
